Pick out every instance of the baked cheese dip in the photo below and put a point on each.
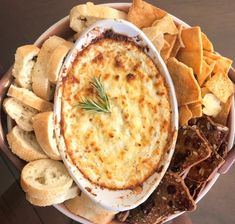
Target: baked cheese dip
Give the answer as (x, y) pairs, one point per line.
(120, 142)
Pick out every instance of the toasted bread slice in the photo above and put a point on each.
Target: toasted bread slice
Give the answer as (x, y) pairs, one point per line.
(45, 178)
(24, 144)
(55, 62)
(25, 59)
(52, 199)
(43, 126)
(82, 16)
(29, 98)
(41, 85)
(83, 206)
(21, 113)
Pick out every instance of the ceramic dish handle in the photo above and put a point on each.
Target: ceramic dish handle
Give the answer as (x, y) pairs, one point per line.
(230, 159)
(4, 85)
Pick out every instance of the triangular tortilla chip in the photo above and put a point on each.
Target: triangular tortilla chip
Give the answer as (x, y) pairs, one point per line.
(223, 64)
(191, 55)
(191, 148)
(171, 196)
(206, 72)
(206, 43)
(204, 91)
(184, 115)
(143, 14)
(222, 117)
(158, 41)
(166, 51)
(196, 109)
(221, 86)
(186, 86)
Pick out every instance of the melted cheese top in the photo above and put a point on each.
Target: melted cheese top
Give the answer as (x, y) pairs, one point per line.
(121, 149)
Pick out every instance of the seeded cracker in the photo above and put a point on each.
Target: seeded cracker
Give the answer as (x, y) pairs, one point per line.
(191, 148)
(171, 196)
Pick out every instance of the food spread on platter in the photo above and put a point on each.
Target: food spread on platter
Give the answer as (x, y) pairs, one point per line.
(204, 93)
(121, 148)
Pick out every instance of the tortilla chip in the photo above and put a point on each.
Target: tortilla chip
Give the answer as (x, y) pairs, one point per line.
(221, 86)
(222, 65)
(166, 25)
(184, 115)
(143, 14)
(209, 60)
(196, 109)
(204, 91)
(178, 43)
(191, 148)
(171, 196)
(222, 117)
(206, 72)
(211, 105)
(191, 55)
(166, 51)
(186, 86)
(158, 41)
(206, 43)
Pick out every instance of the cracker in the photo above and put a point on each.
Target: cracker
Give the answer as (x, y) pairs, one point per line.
(213, 132)
(196, 109)
(143, 14)
(206, 43)
(186, 86)
(156, 39)
(221, 86)
(194, 187)
(204, 171)
(222, 117)
(170, 197)
(223, 150)
(184, 115)
(192, 54)
(191, 148)
(178, 43)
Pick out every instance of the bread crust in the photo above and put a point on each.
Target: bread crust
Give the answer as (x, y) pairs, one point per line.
(22, 147)
(29, 98)
(44, 130)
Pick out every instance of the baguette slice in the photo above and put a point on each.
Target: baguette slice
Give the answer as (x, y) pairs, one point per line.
(41, 85)
(83, 206)
(25, 59)
(29, 98)
(21, 113)
(52, 200)
(82, 16)
(43, 125)
(55, 62)
(24, 145)
(45, 178)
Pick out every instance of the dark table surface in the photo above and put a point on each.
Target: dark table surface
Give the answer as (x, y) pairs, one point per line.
(22, 21)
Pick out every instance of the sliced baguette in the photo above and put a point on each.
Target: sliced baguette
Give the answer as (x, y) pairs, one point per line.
(25, 59)
(55, 62)
(45, 178)
(43, 125)
(21, 113)
(52, 199)
(82, 16)
(83, 206)
(24, 144)
(41, 85)
(29, 98)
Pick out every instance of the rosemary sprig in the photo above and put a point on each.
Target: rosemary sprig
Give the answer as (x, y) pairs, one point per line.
(101, 104)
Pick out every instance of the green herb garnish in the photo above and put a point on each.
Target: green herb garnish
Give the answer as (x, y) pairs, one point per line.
(101, 103)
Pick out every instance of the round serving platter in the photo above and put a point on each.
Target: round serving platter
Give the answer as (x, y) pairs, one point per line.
(61, 28)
